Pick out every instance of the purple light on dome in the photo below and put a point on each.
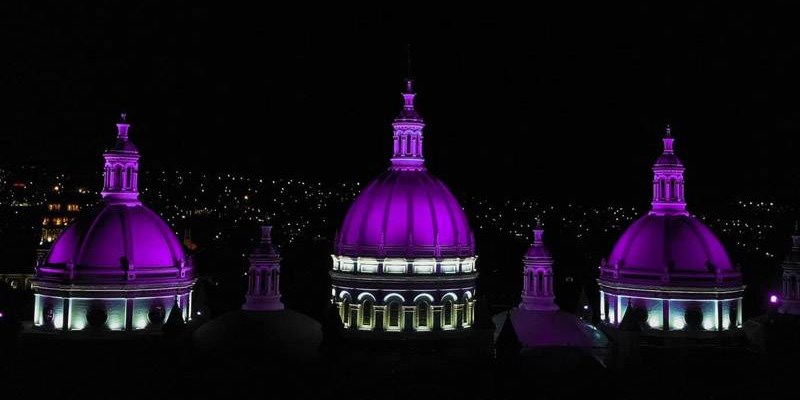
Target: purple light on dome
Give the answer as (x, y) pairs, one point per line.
(773, 299)
(405, 213)
(667, 245)
(1, 314)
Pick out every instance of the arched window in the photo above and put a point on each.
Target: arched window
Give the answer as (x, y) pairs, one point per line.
(672, 193)
(346, 309)
(367, 313)
(393, 315)
(117, 177)
(423, 312)
(662, 189)
(264, 282)
(447, 313)
(540, 286)
(129, 178)
(274, 281)
(467, 319)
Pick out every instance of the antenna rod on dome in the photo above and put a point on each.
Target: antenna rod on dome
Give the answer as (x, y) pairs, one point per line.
(408, 54)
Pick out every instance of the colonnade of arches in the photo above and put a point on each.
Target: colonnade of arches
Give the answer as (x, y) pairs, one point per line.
(394, 313)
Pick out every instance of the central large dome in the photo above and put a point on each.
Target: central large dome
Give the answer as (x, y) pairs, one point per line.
(406, 214)
(404, 258)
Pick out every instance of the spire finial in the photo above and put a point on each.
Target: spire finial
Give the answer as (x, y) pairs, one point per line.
(668, 184)
(407, 146)
(409, 78)
(121, 171)
(266, 234)
(537, 232)
(122, 126)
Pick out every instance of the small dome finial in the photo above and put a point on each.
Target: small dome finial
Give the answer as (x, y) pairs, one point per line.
(538, 231)
(122, 126)
(409, 79)
(668, 131)
(266, 234)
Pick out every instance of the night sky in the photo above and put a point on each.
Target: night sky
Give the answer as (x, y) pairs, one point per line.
(565, 104)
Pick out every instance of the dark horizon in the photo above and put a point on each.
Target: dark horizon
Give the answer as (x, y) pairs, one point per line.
(568, 106)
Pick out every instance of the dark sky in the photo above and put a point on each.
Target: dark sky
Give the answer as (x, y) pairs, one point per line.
(566, 104)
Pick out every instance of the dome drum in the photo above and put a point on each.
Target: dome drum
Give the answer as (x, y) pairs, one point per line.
(671, 315)
(123, 310)
(404, 266)
(404, 311)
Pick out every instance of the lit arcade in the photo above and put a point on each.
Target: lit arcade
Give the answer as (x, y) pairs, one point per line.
(404, 258)
(120, 268)
(670, 268)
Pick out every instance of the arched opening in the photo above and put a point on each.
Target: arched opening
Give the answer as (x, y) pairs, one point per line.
(117, 184)
(367, 313)
(345, 311)
(540, 283)
(393, 315)
(672, 193)
(467, 319)
(129, 178)
(423, 315)
(447, 313)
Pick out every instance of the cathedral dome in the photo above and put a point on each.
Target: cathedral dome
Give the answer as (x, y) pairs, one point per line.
(669, 246)
(406, 214)
(118, 268)
(678, 243)
(114, 241)
(404, 258)
(123, 240)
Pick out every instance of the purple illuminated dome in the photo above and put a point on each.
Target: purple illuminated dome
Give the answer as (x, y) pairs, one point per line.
(95, 247)
(406, 212)
(118, 268)
(669, 254)
(404, 258)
